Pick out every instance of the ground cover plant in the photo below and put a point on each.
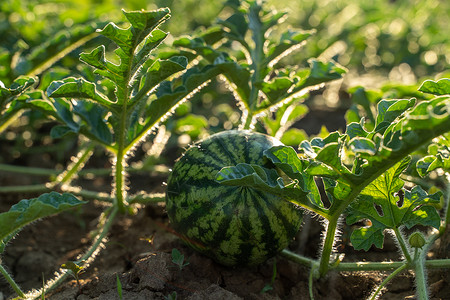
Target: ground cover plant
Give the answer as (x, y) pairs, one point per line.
(368, 176)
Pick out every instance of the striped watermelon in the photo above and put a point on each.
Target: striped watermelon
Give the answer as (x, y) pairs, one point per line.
(233, 225)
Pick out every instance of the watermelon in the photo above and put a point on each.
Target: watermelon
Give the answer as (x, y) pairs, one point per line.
(236, 226)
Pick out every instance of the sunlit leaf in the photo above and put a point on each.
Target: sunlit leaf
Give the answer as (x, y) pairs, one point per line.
(440, 87)
(30, 210)
(381, 203)
(77, 88)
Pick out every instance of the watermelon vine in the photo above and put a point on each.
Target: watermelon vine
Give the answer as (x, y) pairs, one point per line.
(237, 196)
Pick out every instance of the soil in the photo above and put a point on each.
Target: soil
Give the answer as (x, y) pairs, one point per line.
(138, 253)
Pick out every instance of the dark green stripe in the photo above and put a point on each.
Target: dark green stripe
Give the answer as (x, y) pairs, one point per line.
(258, 200)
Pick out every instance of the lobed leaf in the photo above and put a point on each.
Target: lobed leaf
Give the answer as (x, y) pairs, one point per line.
(303, 82)
(388, 206)
(19, 86)
(78, 88)
(159, 71)
(440, 87)
(289, 40)
(439, 157)
(263, 179)
(30, 210)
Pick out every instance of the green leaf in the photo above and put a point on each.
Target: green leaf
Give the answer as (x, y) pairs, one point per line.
(365, 99)
(417, 240)
(155, 38)
(439, 157)
(323, 72)
(440, 87)
(159, 71)
(276, 88)
(354, 130)
(304, 81)
(77, 88)
(30, 210)
(288, 161)
(278, 122)
(56, 47)
(135, 44)
(389, 110)
(388, 206)
(263, 179)
(19, 86)
(237, 25)
(293, 136)
(199, 47)
(363, 145)
(289, 41)
(94, 118)
(178, 258)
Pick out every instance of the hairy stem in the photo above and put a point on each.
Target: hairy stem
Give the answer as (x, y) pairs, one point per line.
(119, 173)
(77, 164)
(328, 245)
(11, 281)
(386, 281)
(365, 265)
(33, 171)
(402, 243)
(85, 259)
(32, 188)
(420, 278)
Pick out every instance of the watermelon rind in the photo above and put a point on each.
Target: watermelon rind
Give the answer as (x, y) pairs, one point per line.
(234, 225)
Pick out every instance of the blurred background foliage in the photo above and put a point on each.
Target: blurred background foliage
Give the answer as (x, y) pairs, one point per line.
(397, 40)
(387, 45)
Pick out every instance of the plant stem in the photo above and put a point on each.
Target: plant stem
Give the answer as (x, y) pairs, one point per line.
(310, 283)
(77, 164)
(89, 194)
(401, 242)
(119, 166)
(328, 245)
(420, 277)
(298, 258)
(144, 198)
(33, 188)
(446, 218)
(365, 266)
(11, 281)
(85, 172)
(389, 278)
(85, 259)
(28, 170)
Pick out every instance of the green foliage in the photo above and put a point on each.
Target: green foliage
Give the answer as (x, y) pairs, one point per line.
(252, 72)
(388, 206)
(30, 210)
(119, 98)
(360, 172)
(119, 287)
(178, 259)
(440, 87)
(16, 89)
